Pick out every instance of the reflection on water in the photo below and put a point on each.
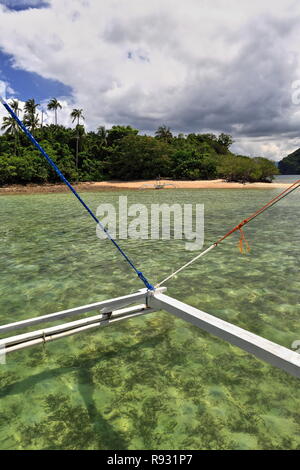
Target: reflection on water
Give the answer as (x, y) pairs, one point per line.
(154, 382)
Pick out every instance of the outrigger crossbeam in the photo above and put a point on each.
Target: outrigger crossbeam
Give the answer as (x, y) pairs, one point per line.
(111, 311)
(142, 303)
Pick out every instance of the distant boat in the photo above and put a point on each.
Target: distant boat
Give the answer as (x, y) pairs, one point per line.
(157, 185)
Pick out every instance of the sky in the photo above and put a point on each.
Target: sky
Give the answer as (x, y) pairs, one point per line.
(195, 66)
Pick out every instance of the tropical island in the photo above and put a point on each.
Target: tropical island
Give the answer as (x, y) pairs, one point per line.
(119, 153)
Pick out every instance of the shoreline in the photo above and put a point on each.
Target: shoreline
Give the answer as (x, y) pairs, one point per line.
(147, 185)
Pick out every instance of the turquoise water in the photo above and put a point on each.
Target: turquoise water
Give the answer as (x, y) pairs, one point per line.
(154, 382)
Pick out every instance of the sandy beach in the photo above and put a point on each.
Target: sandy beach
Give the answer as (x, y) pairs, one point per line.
(136, 185)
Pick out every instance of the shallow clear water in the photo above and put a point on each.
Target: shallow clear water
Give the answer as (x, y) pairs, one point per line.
(154, 382)
(289, 179)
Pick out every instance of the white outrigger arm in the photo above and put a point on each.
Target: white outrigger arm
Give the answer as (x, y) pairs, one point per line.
(141, 303)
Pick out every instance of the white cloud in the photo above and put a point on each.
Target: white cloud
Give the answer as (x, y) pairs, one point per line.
(196, 65)
(5, 88)
(272, 148)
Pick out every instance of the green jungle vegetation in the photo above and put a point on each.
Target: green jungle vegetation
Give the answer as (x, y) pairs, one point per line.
(290, 165)
(119, 153)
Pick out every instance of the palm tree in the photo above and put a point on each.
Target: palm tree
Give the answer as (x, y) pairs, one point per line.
(9, 125)
(31, 119)
(77, 114)
(164, 133)
(14, 104)
(80, 135)
(54, 105)
(30, 106)
(102, 134)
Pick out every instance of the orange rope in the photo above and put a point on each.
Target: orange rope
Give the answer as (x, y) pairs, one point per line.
(240, 226)
(243, 240)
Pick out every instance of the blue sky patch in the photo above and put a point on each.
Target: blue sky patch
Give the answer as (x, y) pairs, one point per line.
(29, 84)
(19, 5)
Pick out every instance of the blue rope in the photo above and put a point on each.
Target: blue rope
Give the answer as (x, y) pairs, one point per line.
(64, 179)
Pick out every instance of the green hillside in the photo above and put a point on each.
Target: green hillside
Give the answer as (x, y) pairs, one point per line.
(290, 165)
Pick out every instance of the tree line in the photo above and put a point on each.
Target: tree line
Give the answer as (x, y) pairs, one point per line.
(118, 153)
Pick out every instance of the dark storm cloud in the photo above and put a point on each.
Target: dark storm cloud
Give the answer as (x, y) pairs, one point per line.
(250, 95)
(212, 66)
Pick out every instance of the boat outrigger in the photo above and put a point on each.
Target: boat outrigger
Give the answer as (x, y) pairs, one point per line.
(147, 300)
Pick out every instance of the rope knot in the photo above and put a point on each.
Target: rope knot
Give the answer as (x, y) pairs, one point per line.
(242, 224)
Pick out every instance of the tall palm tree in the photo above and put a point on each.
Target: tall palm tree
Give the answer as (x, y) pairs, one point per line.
(77, 114)
(102, 134)
(31, 118)
(32, 121)
(80, 134)
(54, 105)
(14, 104)
(9, 125)
(42, 118)
(30, 106)
(164, 133)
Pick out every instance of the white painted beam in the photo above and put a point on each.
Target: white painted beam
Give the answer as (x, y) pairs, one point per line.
(104, 306)
(262, 348)
(26, 340)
